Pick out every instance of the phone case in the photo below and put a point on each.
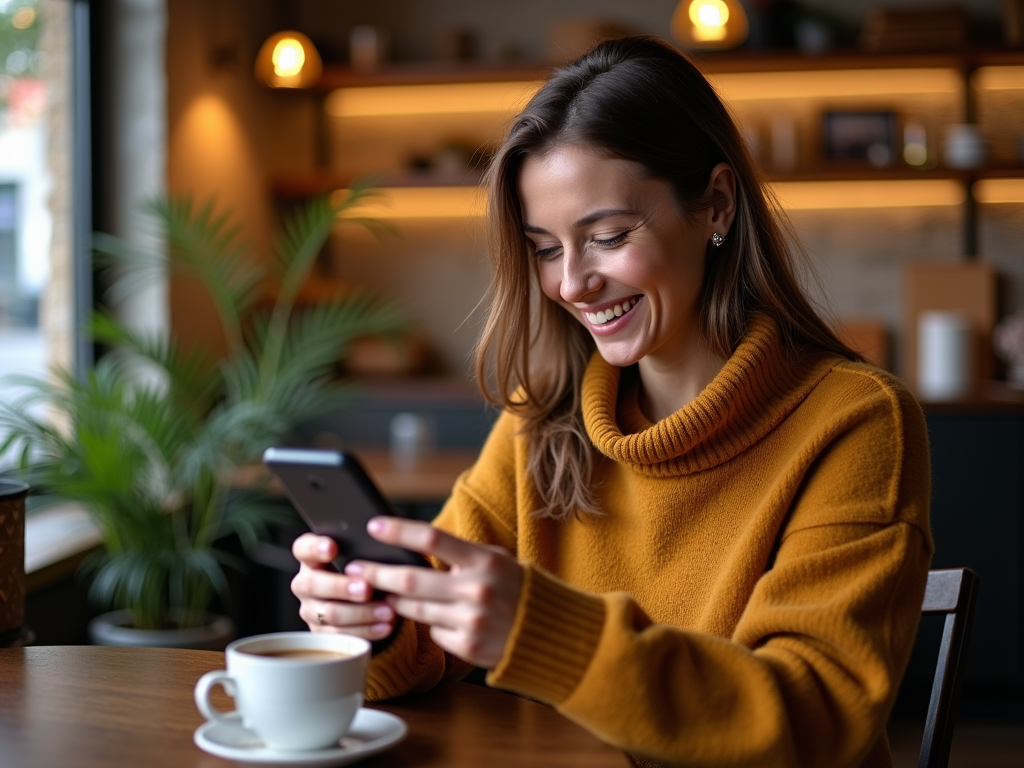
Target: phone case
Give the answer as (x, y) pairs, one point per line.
(336, 497)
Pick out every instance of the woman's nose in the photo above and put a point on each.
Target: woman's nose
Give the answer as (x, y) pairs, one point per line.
(578, 279)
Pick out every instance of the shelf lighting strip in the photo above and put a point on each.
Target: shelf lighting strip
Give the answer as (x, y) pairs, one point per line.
(507, 97)
(409, 203)
(435, 99)
(829, 84)
(999, 191)
(999, 78)
(834, 195)
(422, 203)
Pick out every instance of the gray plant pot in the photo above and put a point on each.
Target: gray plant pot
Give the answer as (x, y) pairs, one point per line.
(115, 628)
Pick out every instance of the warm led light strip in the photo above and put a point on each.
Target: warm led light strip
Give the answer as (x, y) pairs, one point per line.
(470, 202)
(812, 195)
(749, 86)
(422, 203)
(441, 99)
(999, 191)
(999, 78)
(507, 97)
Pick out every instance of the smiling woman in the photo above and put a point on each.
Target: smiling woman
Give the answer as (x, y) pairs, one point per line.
(700, 525)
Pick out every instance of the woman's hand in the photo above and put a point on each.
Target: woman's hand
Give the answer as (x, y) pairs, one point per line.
(470, 608)
(333, 602)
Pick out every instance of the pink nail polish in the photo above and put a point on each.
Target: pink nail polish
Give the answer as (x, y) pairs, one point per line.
(354, 569)
(357, 588)
(375, 526)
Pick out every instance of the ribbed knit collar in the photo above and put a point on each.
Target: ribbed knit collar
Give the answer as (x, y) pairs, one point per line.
(755, 390)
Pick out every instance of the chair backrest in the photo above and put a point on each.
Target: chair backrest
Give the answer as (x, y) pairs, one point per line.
(950, 592)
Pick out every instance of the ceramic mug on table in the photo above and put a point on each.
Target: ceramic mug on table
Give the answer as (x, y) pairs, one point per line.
(297, 691)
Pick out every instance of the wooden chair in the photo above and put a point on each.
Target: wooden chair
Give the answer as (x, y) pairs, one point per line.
(950, 592)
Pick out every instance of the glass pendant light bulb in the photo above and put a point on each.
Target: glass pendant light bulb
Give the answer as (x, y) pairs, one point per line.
(288, 60)
(288, 57)
(709, 24)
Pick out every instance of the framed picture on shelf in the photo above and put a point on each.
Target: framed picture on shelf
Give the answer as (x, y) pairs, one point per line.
(862, 136)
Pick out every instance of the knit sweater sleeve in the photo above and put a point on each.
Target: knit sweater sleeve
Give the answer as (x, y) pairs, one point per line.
(412, 662)
(811, 670)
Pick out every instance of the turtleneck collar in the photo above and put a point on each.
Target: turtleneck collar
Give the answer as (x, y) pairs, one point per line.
(758, 387)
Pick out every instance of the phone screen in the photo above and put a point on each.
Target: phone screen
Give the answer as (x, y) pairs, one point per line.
(336, 497)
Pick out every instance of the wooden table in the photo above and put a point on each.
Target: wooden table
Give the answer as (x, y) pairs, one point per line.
(93, 707)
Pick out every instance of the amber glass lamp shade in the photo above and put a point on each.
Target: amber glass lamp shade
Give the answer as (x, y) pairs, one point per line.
(710, 24)
(288, 60)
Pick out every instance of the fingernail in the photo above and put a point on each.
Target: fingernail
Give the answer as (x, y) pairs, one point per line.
(357, 588)
(323, 548)
(380, 629)
(375, 526)
(383, 612)
(354, 569)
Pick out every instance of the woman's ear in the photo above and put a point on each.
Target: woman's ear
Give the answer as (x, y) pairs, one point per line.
(722, 189)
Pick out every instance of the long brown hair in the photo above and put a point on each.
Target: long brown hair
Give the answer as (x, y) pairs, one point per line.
(637, 99)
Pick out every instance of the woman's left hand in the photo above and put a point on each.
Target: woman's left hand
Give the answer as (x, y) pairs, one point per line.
(470, 608)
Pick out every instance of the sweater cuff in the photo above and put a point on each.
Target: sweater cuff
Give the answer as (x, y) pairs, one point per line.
(556, 630)
(410, 663)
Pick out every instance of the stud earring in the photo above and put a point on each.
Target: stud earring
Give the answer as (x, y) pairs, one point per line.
(717, 239)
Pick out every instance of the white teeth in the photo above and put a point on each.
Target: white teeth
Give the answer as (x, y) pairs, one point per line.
(602, 317)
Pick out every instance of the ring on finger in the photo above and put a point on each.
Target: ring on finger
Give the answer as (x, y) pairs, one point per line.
(320, 618)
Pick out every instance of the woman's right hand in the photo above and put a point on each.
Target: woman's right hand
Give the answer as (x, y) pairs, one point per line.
(333, 602)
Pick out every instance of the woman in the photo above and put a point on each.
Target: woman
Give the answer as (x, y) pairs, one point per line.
(700, 526)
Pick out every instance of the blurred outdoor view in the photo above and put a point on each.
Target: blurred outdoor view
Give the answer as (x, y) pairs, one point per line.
(25, 222)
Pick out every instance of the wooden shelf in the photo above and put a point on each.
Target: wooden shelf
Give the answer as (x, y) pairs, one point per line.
(954, 83)
(790, 61)
(992, 397)
(429, 72)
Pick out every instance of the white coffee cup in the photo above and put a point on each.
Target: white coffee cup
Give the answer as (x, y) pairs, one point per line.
(297, 691)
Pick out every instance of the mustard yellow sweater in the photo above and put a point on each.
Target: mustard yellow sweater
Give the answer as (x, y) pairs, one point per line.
(749, 596)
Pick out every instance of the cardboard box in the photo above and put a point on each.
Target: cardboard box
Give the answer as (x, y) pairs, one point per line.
(897, 31)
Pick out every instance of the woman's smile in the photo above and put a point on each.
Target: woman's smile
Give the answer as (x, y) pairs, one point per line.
(612, 317)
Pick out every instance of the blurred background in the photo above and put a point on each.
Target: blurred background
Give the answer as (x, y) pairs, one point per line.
(892, 133)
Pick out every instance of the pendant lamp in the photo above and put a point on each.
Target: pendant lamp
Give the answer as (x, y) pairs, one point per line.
(288, 60)
(710, 24)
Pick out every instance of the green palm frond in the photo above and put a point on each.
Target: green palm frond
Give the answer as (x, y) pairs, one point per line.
(151, 438)
(204, 244)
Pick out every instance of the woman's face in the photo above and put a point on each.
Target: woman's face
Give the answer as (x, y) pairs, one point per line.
(614, 249)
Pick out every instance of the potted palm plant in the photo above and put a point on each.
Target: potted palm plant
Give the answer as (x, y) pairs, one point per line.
(150, 440)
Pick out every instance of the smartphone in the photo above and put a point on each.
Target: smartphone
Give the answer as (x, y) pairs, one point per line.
(335, 497)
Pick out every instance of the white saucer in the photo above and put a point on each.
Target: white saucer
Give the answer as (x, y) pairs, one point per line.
(372, 731)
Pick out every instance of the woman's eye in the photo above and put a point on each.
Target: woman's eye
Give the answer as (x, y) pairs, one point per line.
(612, 241)
(543, 253)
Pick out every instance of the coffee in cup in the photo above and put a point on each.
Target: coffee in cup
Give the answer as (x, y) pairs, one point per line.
(296, 691)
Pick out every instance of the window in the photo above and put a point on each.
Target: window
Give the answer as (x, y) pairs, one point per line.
(43, 130)
(25, 221)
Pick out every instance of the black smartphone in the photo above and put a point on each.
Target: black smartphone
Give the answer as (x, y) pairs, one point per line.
(336, 497)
